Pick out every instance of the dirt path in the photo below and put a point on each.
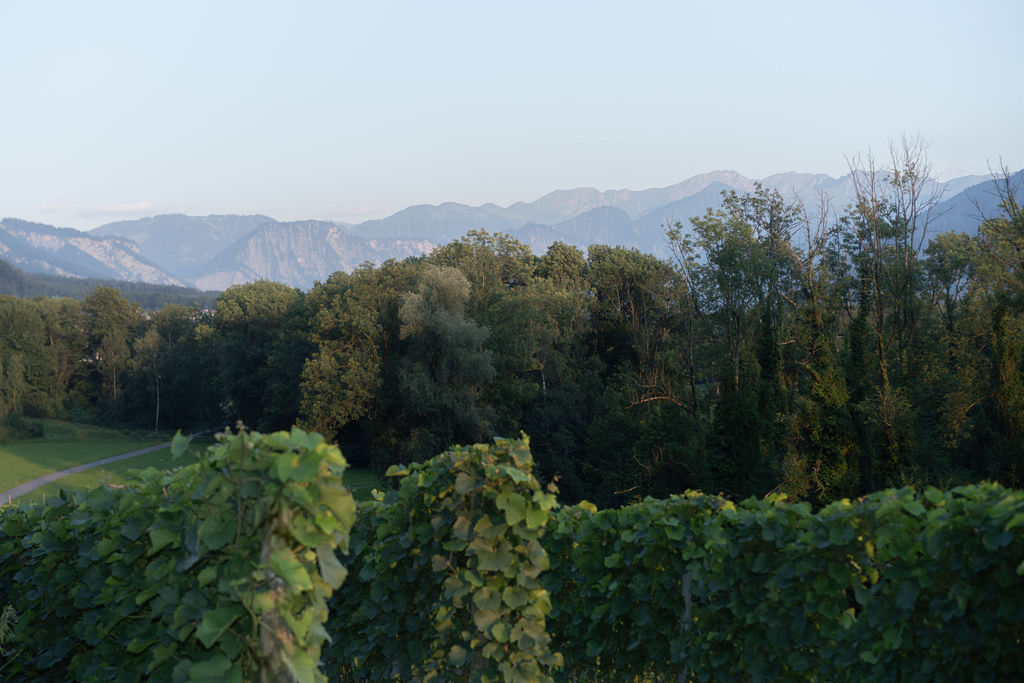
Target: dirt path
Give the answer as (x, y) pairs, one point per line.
(21, 489)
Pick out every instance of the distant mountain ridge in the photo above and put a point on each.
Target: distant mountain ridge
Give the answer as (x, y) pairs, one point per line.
(298, 254)
(39, 248)
(183, 244)
(214, 252)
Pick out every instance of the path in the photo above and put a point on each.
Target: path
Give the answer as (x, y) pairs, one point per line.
(28, 486)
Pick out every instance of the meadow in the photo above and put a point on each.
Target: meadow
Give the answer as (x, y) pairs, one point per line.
(65, 445)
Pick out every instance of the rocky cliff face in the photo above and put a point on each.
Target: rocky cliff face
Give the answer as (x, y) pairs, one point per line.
(38, 248)
(183, 244)
(300, 253)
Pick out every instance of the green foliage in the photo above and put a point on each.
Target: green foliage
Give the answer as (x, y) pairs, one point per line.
(469, 570)
(443, 366)
(220, 569)
(897, 586)
(824, 365)
(7, 618)
(111, 321)
(263, 343)
(445, 574)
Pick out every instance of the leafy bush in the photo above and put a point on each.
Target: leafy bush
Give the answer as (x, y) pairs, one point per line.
(445, 574)
(900, 585)
(217, 571)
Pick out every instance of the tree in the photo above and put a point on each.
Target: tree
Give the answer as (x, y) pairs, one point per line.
(28, 368)
(111, 321)
(990, 348)
(65, 327)
(158, 366)
(342, 377)
(249, 319)
(355, 327)
(443, 368)
(950, 268)
(886, 231)
(493, 263)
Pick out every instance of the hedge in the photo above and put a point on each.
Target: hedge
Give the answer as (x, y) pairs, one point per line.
(444, 579)
(900, 585)
(218, 571)
(470, 571)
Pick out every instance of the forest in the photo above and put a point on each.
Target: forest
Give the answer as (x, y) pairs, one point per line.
(16, 282)
(822, 352)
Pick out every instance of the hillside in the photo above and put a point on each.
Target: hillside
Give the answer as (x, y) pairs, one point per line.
(39, 248)
(16, 282)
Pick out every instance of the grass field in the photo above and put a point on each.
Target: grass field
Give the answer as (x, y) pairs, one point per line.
(65, 445)
(361, 482)
(24, 461)
(112, 473)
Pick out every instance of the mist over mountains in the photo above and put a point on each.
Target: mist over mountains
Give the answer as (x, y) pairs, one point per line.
(214, 252)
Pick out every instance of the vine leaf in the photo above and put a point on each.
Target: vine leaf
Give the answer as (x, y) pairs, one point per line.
(215, 622)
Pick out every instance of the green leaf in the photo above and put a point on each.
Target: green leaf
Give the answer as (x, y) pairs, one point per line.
(161, 538)
(106, 547)
(292, 466)
(500, 632)
(135, 646)
(218, 532)
(216, 621)
(179, 445)
(490, 557)
(302, 666)
(1015, 521)
(915, 508)
(486, 599)
(147, 593)
(212, 668)
(535, 517)
(331, 569)
(906, 596)
(207, 576)
(341, 503)
(132, 529)
(305, 531)
(513, 504)
(287, 566)
(515, 596)
(161, 654)
(397, 471)
(464, 483)
(457, 655)
(485, 618)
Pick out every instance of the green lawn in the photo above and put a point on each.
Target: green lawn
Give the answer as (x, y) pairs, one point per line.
(361, 482)
(58, 430)
(65, 445)
(112, 473)
(26, 460)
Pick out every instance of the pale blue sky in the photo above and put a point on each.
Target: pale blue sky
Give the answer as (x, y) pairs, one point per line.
(347, 111)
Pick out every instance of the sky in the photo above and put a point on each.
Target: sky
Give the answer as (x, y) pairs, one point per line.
(348, 111)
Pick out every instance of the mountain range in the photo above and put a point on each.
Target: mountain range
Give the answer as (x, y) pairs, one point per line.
(214, 252)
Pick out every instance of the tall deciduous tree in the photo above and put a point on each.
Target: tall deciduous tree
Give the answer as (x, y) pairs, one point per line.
(443, 368)
(111, 320)
(250, 319)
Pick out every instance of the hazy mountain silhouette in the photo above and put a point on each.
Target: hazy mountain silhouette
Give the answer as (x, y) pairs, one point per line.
(214, 252)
